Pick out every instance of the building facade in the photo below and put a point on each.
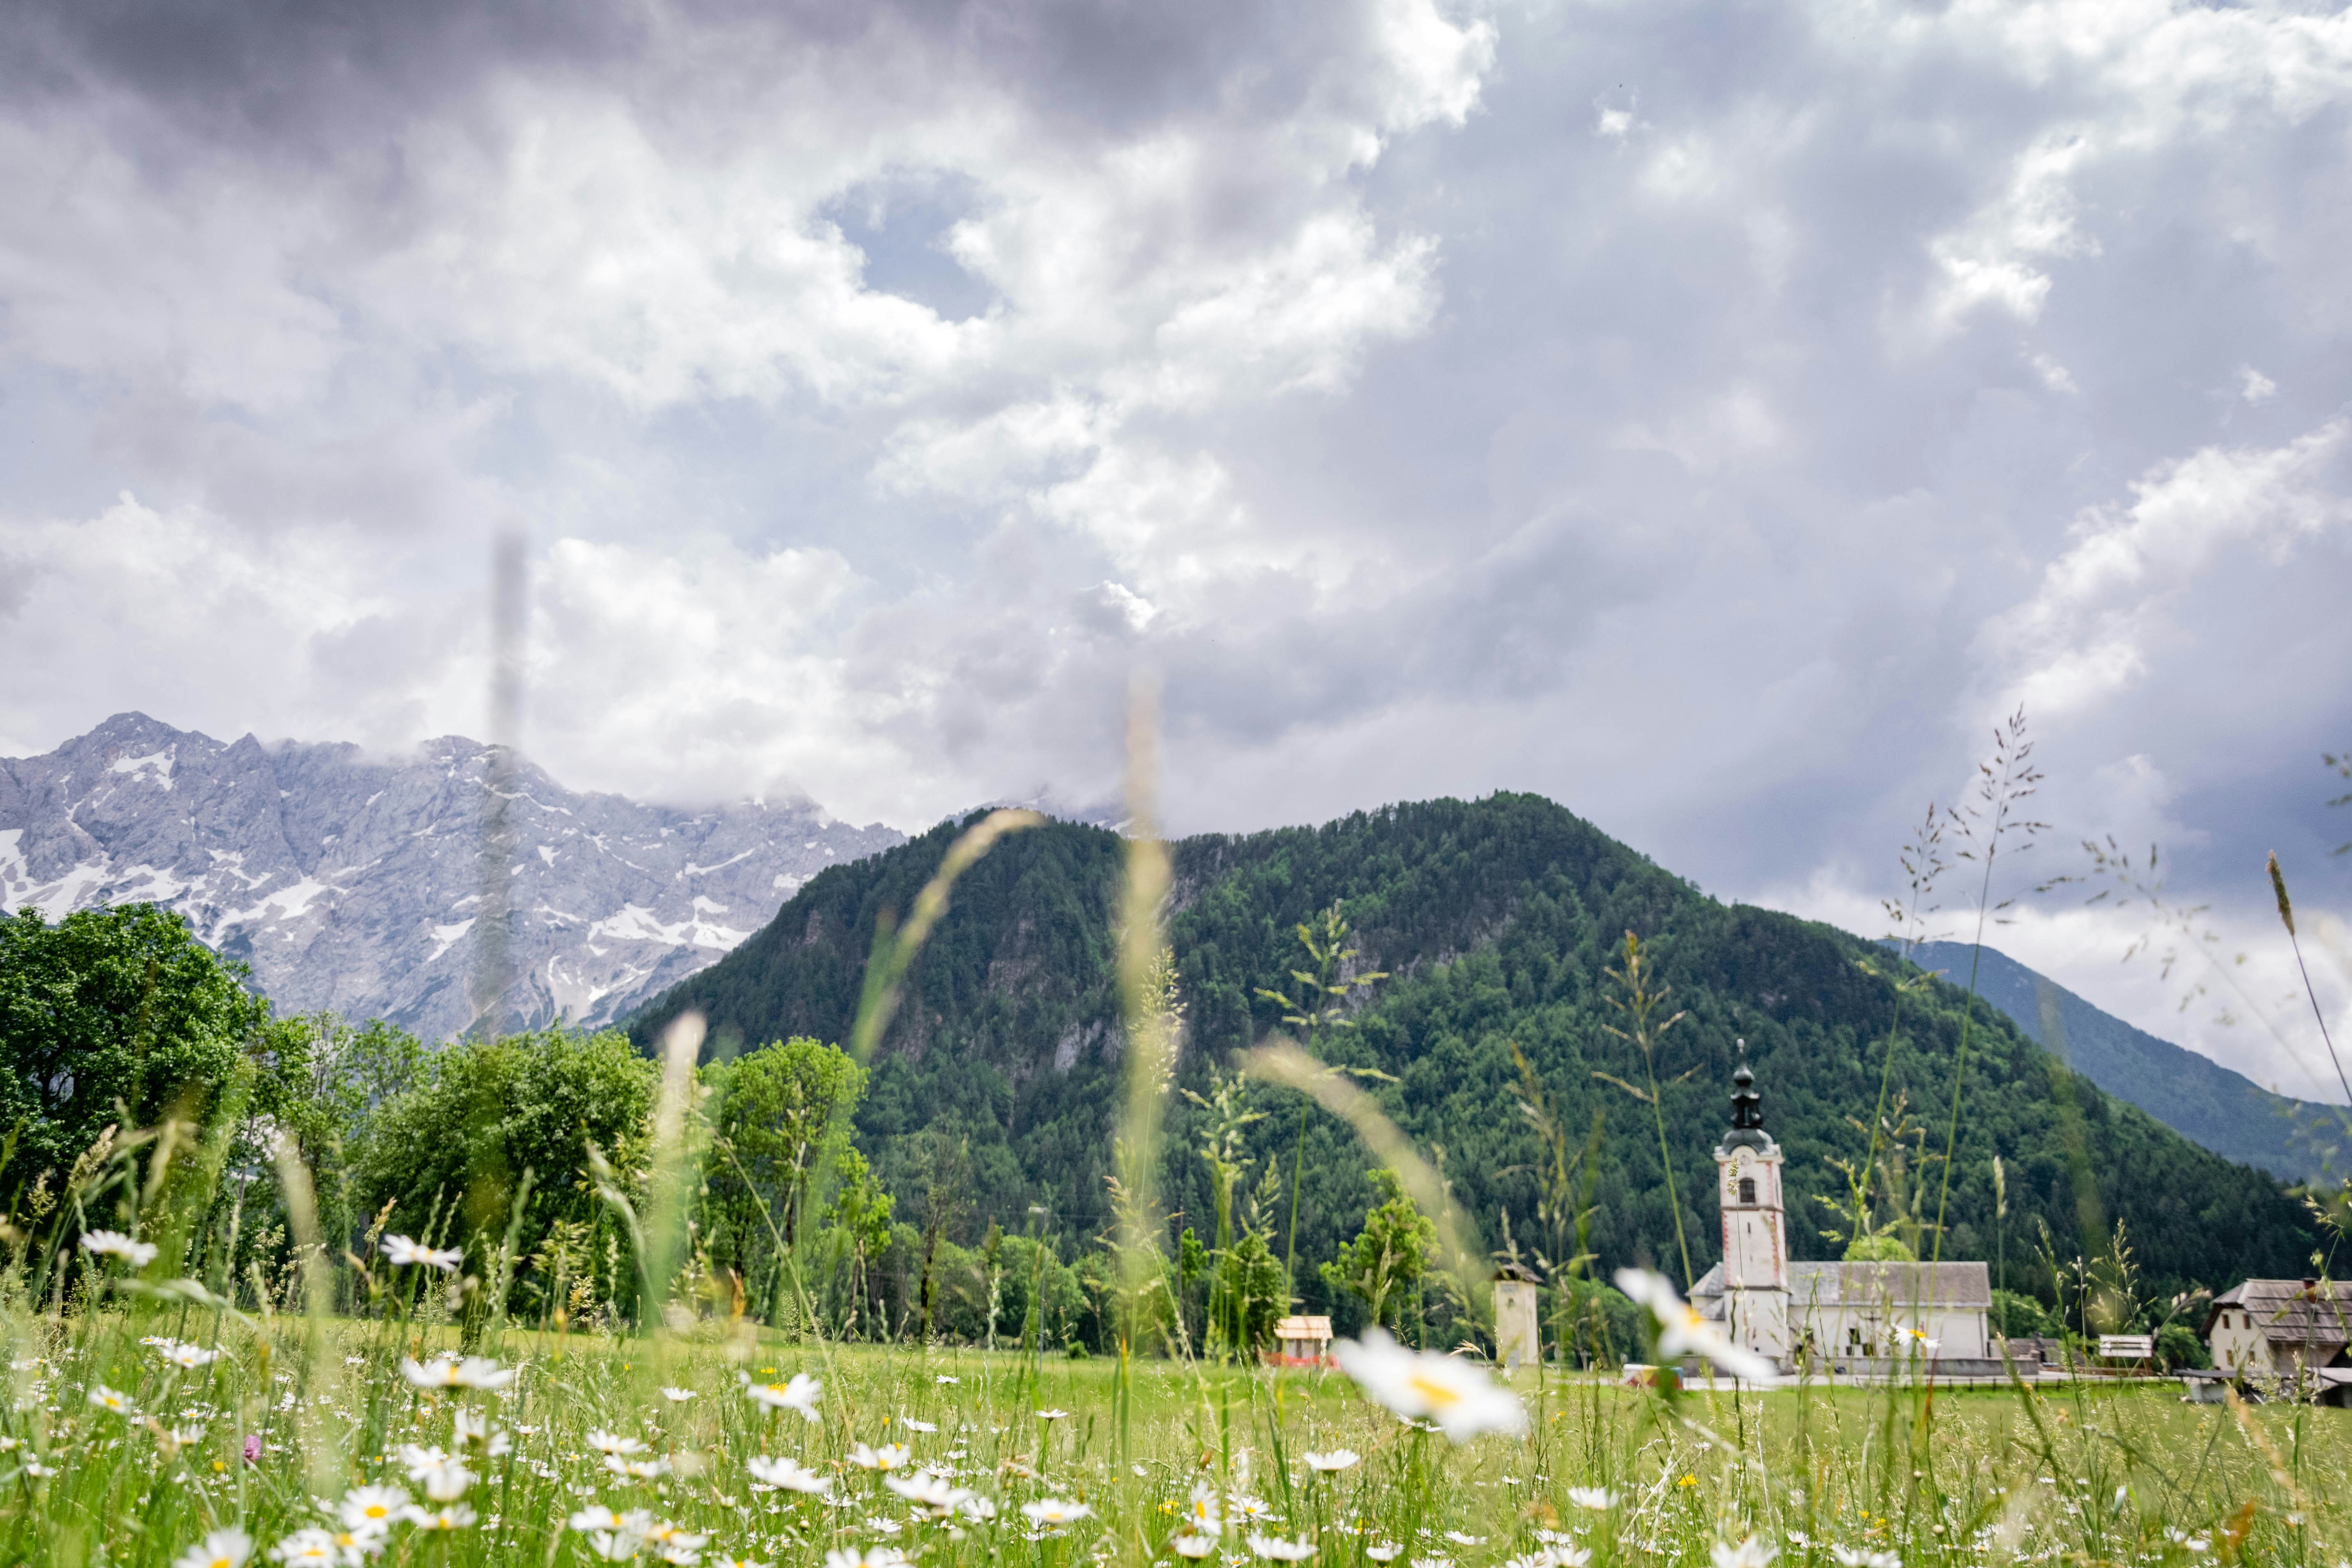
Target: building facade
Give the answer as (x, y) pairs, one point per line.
(1850, 1317)
(2280, 1328)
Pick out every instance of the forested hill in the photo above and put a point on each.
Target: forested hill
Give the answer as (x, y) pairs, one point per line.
(1496, 920)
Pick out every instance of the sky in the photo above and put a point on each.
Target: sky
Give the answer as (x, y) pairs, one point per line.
(1719, 418)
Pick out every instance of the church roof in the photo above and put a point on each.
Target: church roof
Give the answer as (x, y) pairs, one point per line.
(1962, 1285)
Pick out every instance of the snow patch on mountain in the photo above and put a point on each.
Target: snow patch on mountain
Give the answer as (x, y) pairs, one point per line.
(356, 883)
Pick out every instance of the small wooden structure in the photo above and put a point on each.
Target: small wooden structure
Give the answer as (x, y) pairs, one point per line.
(2138, 1349)
(1302, 1341)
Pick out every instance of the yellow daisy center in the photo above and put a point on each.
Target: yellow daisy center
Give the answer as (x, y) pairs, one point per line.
(1439, 1395)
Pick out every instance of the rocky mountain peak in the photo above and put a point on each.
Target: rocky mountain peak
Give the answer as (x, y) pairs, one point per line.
(359, 882)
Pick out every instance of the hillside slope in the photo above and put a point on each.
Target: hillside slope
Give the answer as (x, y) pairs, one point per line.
(2224, 1110)
(1497, 919)
(353, 882)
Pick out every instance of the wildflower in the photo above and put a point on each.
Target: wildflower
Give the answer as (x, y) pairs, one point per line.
(799, 1395)
(187, 1356)
(1459, 1539)
(612, 1443)
(677, 1396)
(914, 1426)
(1052, 1416)
(1276, 1548)
(1862, 1557)
(114, 1244)
(36, 1469)
(636, 1470)
(400, 1252)
(221, 1549)
(889, 1457)
(112, 1399)
(457, 1517)
(1750, 1553)
(1919, 1337)
(784, 1473)
(974, 1507)
(1336, 1460)
(452, 1371)
(928, 1488)
(944, 1378)
(444, 1479)
(1600, 1500)
(884, 1526)
(598, 1516)
(313, 1548)
(681, 1556)
(1682, 1332)
(1383, 1551)
(370, 1508)
(872, 1557)
(611, 1546)
(1192, 1545)
(1204, 1517)
(1458, 1396)
(1052, 1511)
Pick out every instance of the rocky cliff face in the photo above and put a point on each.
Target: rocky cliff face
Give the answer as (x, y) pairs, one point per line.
(375, 885)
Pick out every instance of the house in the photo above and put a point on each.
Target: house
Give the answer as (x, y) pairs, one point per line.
(2276, 1331)
(1301, 1341)
(1841, 1316)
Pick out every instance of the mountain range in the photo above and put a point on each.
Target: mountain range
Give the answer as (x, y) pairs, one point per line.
(359, 883)
(1499, 923)
(2224, 1110)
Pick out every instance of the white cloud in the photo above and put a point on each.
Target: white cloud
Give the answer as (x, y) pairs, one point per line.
(2090, 630)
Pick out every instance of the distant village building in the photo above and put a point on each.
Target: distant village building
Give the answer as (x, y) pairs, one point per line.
(2291, 1331)
(1840, 1316)
(1302, 1341)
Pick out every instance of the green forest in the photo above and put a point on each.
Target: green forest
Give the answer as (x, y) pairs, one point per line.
(1495, 923)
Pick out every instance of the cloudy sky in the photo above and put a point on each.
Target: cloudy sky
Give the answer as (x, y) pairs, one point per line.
(1715, 417)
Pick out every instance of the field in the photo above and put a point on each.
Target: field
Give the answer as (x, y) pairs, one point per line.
(127, 1445)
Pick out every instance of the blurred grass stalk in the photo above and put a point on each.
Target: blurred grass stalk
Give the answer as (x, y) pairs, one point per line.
(1145, 982)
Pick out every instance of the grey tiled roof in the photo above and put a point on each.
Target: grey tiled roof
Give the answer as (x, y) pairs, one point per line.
(2290, 1312)
(1963, 1285)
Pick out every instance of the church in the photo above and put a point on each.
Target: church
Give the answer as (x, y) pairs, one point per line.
(1839, 1317)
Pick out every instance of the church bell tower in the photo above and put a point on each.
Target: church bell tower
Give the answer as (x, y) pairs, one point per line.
(1754, 1243)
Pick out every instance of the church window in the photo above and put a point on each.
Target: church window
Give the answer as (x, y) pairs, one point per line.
(1747, 1189)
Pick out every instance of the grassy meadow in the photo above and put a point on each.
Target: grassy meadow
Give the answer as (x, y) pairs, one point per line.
(340, 1408)
(587, 1447)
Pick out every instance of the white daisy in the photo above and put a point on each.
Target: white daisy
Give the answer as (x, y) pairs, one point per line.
(799, 1395)
(1682, 1332)
(786, 1474)
(221, 1549)
(1460, 1397)
(114, 1244)
(401, 1252)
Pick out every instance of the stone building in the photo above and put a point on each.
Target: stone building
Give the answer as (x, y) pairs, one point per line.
(2285, 1330)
